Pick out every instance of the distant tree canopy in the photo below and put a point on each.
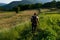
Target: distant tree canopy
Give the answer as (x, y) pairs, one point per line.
(30, 6)
(52, 4)
(58, 4)
(1, 8)
(21, 7)
(16, 9)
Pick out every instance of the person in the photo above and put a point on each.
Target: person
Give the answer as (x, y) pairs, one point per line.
(34, 21)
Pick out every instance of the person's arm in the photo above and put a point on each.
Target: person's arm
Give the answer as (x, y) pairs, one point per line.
(38, 19)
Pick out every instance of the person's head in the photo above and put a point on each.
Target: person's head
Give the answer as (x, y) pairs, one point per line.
(35, 14)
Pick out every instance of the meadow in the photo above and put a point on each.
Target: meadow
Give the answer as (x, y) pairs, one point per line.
(10, 19)
(48, 27)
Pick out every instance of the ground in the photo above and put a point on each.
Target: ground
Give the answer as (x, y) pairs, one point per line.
(10, 19)
(48, 27)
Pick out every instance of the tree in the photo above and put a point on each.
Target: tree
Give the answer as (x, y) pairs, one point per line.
(58, 4)
(47, 5)
(16, 9)
(54, 4)
(1, 8)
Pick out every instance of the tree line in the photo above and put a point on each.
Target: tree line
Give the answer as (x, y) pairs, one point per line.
(38, 5)
(21, 7)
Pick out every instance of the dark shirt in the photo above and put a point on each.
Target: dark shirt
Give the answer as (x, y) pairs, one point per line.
(34, 20)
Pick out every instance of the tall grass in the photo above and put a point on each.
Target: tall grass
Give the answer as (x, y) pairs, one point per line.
(10, 19)
(47, 29)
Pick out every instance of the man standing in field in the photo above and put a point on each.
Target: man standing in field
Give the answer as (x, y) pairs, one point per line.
(34, 21)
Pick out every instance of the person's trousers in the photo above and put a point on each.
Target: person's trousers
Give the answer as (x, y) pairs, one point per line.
(34, 28)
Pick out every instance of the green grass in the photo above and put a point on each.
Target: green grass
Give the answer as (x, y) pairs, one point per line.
(47, 29)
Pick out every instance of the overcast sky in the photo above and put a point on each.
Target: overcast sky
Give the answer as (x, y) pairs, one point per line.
(8, 1)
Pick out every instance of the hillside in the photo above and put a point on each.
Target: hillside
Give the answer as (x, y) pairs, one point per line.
(16, 3)
(39, 1)
(2, 4)
(23, 2)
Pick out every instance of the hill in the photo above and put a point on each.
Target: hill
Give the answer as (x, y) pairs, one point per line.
(39, 1)
(23, 2)
(16, 3)
(2, 4)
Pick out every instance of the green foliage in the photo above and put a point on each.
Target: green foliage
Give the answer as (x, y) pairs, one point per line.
(16, 9)
(52, 4)
(30, 6)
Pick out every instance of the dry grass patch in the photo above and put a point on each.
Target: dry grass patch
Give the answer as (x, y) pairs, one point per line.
(10, 19)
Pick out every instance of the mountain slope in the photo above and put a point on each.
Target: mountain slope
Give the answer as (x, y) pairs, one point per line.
(38, 1)
(16, 3)
(1, 4)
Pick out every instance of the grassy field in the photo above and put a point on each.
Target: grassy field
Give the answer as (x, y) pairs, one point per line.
(10, 19)
(47, 29)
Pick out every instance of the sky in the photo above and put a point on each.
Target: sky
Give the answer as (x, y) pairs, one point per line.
(8, 1)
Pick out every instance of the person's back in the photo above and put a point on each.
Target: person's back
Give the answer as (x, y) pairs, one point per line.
(34, 21)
